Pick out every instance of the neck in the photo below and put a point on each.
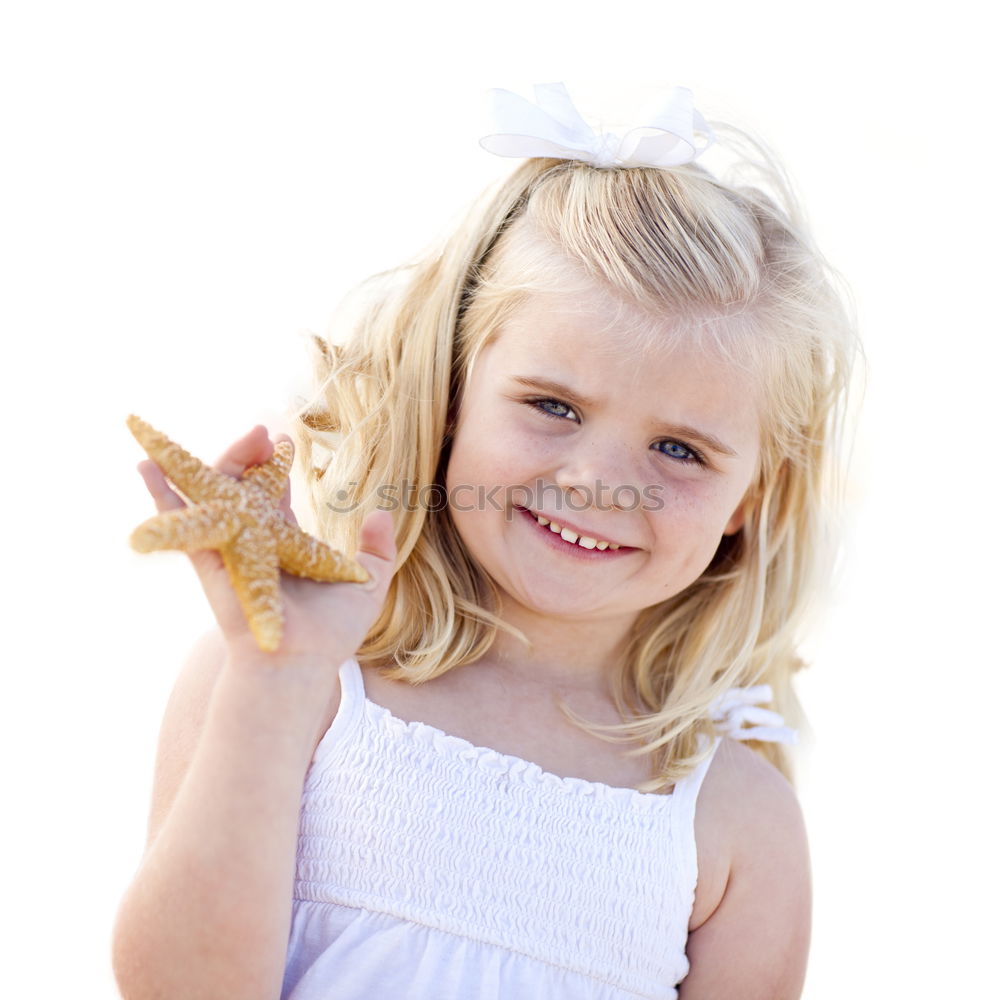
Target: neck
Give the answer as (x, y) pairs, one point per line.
(561, 652)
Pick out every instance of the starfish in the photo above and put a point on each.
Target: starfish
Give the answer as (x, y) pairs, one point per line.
(241, 518)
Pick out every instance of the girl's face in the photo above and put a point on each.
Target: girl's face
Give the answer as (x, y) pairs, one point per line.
(642, 459)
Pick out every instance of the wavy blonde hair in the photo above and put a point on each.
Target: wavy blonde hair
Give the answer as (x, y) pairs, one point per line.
(733, 263)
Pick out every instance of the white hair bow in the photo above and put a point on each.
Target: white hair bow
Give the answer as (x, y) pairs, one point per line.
(737, 715)
(673, 133)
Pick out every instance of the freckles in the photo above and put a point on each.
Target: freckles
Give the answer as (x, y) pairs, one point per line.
(677, 502)
(688, 521)
(530, 453)
(697, 500)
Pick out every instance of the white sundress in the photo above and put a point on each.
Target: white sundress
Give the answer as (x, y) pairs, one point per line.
(432, 869)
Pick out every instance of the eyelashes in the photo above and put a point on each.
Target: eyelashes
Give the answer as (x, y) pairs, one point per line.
(554, 409)
(544, 406)
(681, 452)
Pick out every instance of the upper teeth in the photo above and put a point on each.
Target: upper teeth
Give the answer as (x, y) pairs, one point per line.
(585, 541)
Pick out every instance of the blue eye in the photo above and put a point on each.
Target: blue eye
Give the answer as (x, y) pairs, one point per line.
(552, 407)
(679, 451)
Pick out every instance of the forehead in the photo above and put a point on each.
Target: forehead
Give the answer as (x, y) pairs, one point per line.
(596, 336)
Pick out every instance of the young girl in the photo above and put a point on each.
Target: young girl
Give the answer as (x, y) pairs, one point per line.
(582, 452)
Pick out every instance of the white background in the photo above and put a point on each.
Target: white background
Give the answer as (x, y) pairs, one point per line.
(189, 186)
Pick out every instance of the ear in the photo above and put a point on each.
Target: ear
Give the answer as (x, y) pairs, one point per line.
(739, 516)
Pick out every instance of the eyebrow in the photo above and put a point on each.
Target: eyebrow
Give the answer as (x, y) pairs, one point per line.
(678, 430)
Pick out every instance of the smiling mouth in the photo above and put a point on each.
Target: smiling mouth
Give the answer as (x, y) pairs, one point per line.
(571, 536)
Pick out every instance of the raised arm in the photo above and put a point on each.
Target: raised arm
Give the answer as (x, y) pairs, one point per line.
(209, 910)
(754, 943)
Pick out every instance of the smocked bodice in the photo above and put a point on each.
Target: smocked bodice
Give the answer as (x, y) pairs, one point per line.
(431, 868)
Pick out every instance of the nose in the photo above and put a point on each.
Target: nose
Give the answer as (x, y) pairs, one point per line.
(601, 473)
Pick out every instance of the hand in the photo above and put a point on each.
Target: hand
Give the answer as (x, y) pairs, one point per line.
(322, 621)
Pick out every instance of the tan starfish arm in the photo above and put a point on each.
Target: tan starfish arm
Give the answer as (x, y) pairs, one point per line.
(252, 563)
(193, 477)
(208, 526)
(241, 518)
(273, 476)
(304, 555)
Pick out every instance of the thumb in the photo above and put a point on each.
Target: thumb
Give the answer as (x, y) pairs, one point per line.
(377, 544)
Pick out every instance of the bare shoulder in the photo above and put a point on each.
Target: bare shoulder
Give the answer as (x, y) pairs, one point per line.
(744, 787)
(750, 929)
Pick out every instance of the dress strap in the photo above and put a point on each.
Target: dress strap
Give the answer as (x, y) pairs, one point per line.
(687, 789)
(349, 711)
(352, 683)
(737, 714)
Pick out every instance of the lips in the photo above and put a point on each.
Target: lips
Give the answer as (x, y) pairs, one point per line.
(573, 536)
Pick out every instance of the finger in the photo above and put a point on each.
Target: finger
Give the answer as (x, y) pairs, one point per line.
(252, 449)
(163, 495)
(207, 563)
(285, 504)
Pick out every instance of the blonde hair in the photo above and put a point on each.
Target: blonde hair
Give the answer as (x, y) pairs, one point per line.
(733, 264)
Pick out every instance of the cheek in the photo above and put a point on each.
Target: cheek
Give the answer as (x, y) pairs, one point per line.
(473, 464)
(498, 451)
(696, 511)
